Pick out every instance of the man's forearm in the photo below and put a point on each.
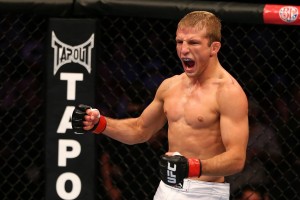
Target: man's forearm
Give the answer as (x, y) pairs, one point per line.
(127, 131)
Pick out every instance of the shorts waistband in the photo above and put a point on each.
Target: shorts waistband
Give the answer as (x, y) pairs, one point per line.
(190, 185)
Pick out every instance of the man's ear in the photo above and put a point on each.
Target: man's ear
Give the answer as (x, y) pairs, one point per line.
(215, 47)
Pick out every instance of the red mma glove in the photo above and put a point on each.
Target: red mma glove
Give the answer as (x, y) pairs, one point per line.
(78, 118)
(173, 169)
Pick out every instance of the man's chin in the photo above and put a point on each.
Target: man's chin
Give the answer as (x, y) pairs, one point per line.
(190, 73)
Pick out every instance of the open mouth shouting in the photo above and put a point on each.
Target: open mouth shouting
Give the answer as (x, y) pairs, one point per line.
(188, 63)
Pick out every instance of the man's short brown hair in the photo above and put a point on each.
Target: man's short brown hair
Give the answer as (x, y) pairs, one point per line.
(201, 20)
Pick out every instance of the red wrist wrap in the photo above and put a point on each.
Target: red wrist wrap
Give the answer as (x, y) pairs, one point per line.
(194, 167)
(101, 125)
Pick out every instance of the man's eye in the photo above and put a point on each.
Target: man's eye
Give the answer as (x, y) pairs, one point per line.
(194, 42)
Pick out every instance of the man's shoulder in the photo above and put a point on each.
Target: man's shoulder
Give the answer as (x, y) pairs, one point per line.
(175, 77)
(172, 80)
(230, 83)
(231, 93)
(168, 84)
(230, 87)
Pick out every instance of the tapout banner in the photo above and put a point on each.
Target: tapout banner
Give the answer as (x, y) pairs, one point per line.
(70, 156)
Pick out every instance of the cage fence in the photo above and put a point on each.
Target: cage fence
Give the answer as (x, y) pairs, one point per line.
(135, 55)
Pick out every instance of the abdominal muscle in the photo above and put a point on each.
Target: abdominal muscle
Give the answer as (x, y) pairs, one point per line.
(196, 143)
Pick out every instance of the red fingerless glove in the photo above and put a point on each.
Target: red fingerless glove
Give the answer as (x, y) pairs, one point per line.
(100, 126)
(194, 167)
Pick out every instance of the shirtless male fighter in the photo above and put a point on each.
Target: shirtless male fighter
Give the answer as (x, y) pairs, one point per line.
(207, 114)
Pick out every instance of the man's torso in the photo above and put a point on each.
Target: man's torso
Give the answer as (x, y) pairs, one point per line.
(194, 119)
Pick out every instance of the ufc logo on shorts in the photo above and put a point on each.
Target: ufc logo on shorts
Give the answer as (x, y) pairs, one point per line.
(170, 173)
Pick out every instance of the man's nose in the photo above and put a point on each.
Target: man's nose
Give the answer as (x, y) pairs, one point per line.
(185, 48)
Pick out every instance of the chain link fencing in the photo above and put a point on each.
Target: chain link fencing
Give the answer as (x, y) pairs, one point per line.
(135, 55)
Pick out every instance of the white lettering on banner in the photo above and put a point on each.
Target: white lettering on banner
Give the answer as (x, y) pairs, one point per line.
(71, 79)
(65, 122)
(170, 175)
(64, 53)
(64, 154)
(69, 149)
(61, 189)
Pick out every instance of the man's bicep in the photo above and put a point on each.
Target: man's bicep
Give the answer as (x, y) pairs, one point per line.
(234, 132)
(234, 120)
(153, 117)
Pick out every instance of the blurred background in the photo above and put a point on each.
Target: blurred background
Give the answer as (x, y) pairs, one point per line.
(136, 54)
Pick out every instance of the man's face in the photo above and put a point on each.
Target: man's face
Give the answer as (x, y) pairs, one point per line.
(193, 50)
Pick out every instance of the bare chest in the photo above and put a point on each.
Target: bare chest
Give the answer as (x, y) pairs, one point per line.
(197, 109)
